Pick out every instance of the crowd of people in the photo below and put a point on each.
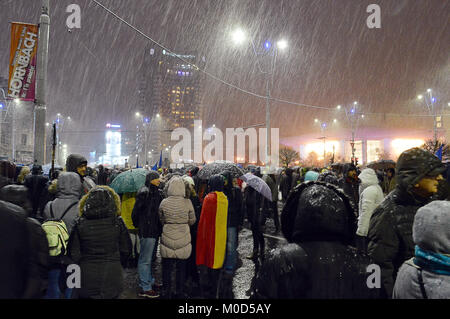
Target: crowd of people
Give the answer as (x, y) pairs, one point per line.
(337, 223)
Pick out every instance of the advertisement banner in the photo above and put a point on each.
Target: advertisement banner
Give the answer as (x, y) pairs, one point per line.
(22, 61)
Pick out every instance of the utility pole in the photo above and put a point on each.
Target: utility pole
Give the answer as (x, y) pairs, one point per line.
(41, 84)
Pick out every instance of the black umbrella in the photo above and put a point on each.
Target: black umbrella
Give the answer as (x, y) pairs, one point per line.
(381, 164)
(218, 168)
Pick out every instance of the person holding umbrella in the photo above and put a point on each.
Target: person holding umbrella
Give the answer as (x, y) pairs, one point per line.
(254, 193)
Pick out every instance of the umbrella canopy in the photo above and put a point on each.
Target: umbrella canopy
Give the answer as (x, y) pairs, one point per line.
(258, 184)
(219, 167)
(381, 165)
(129, 181)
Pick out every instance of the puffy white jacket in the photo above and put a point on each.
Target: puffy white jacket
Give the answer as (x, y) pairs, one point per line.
(176, 214)
(370, 196)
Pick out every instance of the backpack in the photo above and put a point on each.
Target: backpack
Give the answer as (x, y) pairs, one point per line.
(57, 234)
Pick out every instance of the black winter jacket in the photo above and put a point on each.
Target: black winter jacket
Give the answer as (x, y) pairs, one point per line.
(23, 255)
(253, 202)
(390, 241)
(319, 262)
(101, 245)
(36, 185)
(145, 212)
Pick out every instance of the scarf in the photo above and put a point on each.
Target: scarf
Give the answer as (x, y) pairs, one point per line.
(433, 262)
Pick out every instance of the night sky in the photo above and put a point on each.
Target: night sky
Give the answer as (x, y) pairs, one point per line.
(332, 58)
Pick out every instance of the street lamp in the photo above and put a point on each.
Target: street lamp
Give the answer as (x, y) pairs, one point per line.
(430, 103)
(351, 113)
(239, 37)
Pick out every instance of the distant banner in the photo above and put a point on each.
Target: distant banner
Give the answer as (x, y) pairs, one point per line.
(22, 61)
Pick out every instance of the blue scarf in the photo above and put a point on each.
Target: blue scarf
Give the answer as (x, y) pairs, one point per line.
(433, 262)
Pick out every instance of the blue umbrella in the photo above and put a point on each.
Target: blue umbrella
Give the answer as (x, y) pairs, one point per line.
(258, 184)
(129, 181)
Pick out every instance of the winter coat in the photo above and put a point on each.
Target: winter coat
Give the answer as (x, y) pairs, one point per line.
(102, 177)
(100, 244)
(16, 201)
(253, 203)
(286, 183)
(212, 227)
(235, 207)
(370, 196)
(271, 182)
(390, 241)
(431, 232)
(176, 214)
(319, 262)
(128, 202)
(69, 190)
(36, 185)
(145, 213)
(23, 252)
(350, 186)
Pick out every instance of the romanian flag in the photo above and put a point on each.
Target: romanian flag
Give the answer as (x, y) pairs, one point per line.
(212, 231)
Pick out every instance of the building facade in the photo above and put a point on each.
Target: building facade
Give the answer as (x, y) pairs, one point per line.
(170, 97)
(16, 127)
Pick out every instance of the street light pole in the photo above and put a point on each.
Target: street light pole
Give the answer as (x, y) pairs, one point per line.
(41, 85)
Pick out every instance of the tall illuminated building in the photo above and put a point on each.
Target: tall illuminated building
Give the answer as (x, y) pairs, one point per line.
(171, 87)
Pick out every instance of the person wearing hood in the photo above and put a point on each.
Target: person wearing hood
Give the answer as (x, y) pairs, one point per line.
(212, 237)
(370, 196)
(350, 184)
(24, 252)
(100, 245)
(176, 214)
(311, 176)
(36, 184)
(145, 217)
(66, 203)
(318, 262)
(427, 274)
(78, 164)
(390, 240)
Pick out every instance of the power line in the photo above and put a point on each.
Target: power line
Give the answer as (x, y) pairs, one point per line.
(232, 85)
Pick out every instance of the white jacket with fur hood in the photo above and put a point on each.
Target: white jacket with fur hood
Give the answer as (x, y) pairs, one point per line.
(176, 214)
(370, 196)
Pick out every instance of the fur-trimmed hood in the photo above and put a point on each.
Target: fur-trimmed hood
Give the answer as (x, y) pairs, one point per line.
(101, 202)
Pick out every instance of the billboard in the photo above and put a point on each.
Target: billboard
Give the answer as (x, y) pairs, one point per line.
(22, 61)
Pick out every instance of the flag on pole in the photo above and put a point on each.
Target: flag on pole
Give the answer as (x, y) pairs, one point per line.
(155, 167)
(439, 152)
(160, 160)
(137, 162)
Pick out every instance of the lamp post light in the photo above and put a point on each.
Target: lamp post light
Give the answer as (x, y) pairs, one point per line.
(352, 115)
(430, 102)
(270, 50)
